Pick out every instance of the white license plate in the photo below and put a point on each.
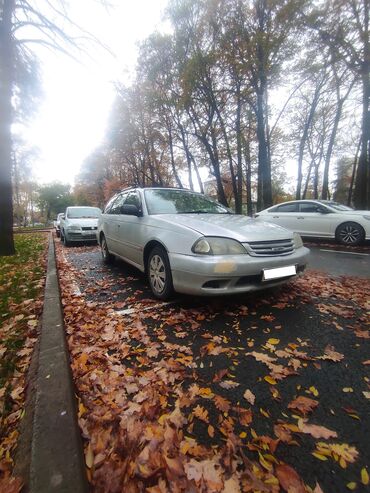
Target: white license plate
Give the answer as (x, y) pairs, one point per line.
(289, 270)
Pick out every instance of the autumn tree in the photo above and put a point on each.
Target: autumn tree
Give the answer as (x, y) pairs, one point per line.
(343, 26)
(21, 26)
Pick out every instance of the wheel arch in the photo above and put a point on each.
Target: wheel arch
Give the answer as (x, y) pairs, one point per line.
(148, 248)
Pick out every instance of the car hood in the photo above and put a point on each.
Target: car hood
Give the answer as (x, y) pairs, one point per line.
(83, 221)
(239, 227)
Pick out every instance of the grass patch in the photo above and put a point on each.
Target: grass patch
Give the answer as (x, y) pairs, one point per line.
(22, 278)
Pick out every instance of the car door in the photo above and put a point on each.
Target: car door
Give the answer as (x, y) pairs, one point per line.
(314, 219)
(284, 215)
(130, 236)
(111, 223)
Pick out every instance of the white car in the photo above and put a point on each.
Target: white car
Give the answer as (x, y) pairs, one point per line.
(79, 224)
(320, 219)
(188, 243)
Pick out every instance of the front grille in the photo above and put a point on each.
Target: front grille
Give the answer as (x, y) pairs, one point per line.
(89, 228)
(269, 248)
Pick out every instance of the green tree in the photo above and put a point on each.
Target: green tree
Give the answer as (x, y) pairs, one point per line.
(54, 198)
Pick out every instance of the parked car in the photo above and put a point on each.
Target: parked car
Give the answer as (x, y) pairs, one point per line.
(320, 219)
(57, 224)
(79, 224)
(188, 243)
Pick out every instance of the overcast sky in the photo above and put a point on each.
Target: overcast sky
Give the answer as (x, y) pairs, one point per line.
(78, 97)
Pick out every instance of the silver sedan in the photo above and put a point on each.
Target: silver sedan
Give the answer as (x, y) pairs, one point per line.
(188, 243)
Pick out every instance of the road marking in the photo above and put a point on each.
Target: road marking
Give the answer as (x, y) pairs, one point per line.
(348, 253)
(129, 311)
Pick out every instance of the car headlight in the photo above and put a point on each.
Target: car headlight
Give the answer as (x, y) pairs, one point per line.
(218, 246)
(74, 227)
(366, 217)
(297, 240)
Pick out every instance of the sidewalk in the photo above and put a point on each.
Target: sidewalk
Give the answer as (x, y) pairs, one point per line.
(57, 459)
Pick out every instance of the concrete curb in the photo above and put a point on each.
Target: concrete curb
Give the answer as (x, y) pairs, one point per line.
(57, 460)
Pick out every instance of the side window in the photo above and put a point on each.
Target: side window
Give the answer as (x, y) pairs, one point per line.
(133, 199)
(287, 208)
(116, 206)
(309, 207)
(109, 205)
(273, 209)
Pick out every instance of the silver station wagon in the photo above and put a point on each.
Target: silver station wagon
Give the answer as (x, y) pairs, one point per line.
(188, 243)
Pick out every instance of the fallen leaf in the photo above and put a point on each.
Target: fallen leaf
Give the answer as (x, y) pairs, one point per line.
(316, 431)
(270, 380)
(201, 413)
(289, 479)
(249, 396)
(364, 476)
(303, 404)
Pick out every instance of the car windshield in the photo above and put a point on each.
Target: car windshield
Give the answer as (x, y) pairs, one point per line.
(171, 201)
(336, 205)
(84, 212)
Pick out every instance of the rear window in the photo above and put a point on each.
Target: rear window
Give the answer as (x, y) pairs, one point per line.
(83, 212)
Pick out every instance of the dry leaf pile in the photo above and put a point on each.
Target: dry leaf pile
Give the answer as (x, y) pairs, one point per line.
(162, 407)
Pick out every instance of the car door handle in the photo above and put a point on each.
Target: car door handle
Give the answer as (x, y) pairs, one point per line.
(300, 217)
(275, 217)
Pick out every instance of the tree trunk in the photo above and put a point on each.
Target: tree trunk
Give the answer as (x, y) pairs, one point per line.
(264, 193)
(239, 166)
(173, 165)
(6, 116)
(362, 188)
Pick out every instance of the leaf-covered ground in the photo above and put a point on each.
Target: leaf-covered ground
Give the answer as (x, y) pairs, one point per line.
(22, 278)
(266, 392)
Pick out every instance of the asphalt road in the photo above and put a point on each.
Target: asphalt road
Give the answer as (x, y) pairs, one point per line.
(309, 315)
(338, 262)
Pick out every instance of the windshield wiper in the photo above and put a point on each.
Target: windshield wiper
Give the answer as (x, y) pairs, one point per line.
(199, 212)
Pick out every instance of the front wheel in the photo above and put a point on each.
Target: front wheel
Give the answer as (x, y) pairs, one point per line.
(108, 258)
(159, 273)
(64, 239)
(350, 234)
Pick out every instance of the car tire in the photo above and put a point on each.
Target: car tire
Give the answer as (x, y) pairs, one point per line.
(108, 258)
(64, 239)
(159, 274)
(350, 233)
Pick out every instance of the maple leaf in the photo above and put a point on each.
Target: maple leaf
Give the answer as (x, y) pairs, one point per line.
(222, 404)
(289, 479)
(206, 470)
(303, 404)
(201, 413)
(331, 354)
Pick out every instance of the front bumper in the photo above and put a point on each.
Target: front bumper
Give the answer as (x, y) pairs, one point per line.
(82, 235)
(218, 275)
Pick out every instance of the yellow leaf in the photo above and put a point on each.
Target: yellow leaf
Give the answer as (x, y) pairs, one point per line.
(352, 485)
(342, 463)
(270, 380)
(89, 456)
(314, 391)
(264, 413)
(364, 476)
(319, 456)
(347, 389)
(272, 480)
(273, 341)
(211, 431)
(242, 434)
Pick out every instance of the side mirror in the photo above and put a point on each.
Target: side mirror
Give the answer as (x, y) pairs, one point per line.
(130, 210)
(63, 216)
(322, 210)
